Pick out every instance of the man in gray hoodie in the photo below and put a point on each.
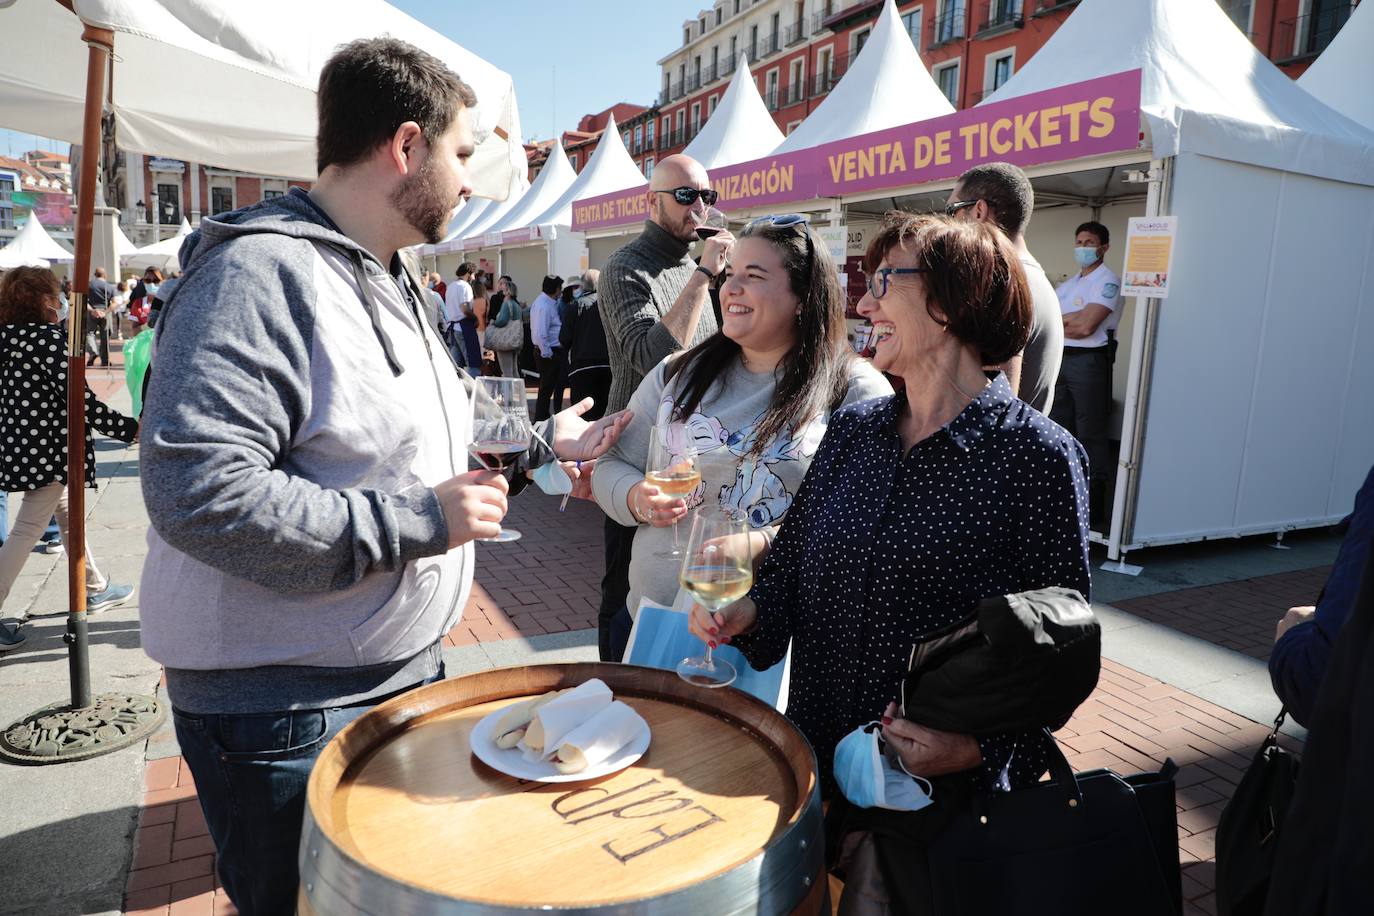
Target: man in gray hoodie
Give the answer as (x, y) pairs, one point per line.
(304, 450)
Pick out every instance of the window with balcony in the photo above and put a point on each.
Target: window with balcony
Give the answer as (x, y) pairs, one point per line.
(796, 81)
(711, 105)
(666, 139)
(912, 22)
(572, 161)
(680, 136)
(770, 94)
(8, 185)
(696, 118)
(649, 134)
(825, 70)
(649, 167)
(947, 78)
(949, 21)
(639, 138)
(169, 204)
(1001, 15)
(753, 43)
(860, 39)
(1309, 35)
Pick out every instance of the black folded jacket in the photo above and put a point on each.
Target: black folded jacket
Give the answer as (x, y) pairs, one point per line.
(1018, 662)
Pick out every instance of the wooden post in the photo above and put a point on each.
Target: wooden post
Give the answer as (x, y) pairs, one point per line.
(100, 43)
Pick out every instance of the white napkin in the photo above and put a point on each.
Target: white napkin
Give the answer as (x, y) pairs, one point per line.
(559, 717)
(605, 733)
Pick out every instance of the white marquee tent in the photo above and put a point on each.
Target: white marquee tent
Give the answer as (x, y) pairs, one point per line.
(553, 247)
(228, 84)
(1344, 74)
(163, 255)
(886, 86)
(740, 129)
(1240, 414)
(553, 180)
(32, 245)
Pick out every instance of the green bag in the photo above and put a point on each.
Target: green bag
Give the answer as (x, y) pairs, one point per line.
(137, 353)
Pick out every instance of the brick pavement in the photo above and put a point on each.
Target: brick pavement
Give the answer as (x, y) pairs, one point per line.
(1238, 615)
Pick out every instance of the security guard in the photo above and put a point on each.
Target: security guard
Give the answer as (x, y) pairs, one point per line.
(1088, 303)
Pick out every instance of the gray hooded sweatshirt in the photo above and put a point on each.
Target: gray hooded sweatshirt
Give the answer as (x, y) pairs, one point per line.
(293, 434)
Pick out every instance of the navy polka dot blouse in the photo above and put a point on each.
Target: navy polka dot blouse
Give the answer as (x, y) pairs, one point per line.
(880, 548)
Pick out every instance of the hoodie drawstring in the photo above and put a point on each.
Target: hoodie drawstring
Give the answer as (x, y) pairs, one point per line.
(361, 277)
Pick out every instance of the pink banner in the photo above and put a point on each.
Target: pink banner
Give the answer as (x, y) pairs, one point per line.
(1070, 122)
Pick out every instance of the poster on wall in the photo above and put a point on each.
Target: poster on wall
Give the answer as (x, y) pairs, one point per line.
(1149, 252)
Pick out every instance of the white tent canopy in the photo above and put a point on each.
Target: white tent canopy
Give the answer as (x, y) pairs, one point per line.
(33, 244)
(886, 86)
(1206, 88)
(1344, 74)
(553, 179)
(467, 214)
(493, 215)
(226, 83)
(610, 169)
(739, 130)
(163, 255)
(123, 248)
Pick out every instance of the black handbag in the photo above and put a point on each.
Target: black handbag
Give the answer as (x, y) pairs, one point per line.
(1078, 845)
(1248, 833)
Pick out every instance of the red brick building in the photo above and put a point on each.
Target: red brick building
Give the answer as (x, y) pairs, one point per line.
(175, 190)
(581, 142)
(799, 49)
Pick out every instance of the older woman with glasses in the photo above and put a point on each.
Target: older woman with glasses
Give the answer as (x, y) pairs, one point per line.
(919, 505)
(756, 399)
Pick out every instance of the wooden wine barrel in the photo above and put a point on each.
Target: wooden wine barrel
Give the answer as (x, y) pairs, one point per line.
(722, 815)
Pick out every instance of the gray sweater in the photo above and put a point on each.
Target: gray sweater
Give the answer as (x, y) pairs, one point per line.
(723, 429)
(639, 284)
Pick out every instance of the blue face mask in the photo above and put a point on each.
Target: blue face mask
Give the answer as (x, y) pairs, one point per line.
(1086, 257)
(868, 779)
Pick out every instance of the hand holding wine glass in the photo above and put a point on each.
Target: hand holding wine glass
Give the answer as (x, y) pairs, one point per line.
(715, 230)
(718, 570)
(672, 468)
(501, 431)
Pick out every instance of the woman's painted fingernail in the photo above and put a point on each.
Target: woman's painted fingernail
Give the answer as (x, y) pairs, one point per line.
(712, 644)
(725, 640)
(887, 720)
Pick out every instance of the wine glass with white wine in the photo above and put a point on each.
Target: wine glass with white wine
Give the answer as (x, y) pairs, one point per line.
(718, 569)
(672, 468)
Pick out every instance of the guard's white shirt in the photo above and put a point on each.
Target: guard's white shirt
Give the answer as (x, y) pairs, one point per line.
(458, 294)
(1101, 287)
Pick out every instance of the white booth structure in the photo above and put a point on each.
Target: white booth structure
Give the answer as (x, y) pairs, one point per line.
(544, 243)
(1241, 411)
(33, 247)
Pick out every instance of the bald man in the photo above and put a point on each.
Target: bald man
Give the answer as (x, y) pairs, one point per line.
(655, 300)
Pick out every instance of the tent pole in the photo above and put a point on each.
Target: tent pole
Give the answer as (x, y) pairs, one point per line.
(1126, 496)
(86, 727)
(101, 45)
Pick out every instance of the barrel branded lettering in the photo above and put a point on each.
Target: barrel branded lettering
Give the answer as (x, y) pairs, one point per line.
(634, 803)
(664, 838)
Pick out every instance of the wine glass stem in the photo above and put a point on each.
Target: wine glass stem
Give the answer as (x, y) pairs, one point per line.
(677, 545)
(709, 663)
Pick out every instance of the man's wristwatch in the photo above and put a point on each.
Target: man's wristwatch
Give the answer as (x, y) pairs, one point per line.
(710, 276)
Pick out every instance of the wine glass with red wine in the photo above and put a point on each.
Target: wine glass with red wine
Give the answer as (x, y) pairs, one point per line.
(501, 430)
(714, 223)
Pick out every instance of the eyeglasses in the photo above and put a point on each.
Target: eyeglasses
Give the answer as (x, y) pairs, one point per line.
(877, 281)
(688, 196)
(951, 209)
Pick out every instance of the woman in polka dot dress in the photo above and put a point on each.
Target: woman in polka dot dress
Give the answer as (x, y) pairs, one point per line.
(918, 506)
(33, 430)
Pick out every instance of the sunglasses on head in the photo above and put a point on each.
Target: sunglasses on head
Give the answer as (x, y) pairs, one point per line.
(781, 220)
(688, 196)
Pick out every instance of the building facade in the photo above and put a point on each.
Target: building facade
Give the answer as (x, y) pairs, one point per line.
(799, 49)
(39, 183)
(162, 192)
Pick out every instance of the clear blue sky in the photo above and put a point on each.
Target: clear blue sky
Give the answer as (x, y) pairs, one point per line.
(568, 57)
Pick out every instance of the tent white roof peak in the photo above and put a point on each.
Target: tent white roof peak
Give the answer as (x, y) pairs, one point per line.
(553, 180)
(886, 86)
(740, 129)
(609, 169)
(1205, 88)
(1343, 74)
(32, 243)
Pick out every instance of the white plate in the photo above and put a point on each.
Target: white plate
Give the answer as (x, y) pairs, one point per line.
(512, 761)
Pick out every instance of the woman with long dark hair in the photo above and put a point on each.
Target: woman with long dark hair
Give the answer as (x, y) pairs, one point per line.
(33, 434)
(756, 398)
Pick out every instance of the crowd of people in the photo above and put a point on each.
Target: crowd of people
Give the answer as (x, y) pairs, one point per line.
(313, 518)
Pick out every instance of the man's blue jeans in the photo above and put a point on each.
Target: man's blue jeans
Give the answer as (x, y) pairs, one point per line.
(251, 772)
